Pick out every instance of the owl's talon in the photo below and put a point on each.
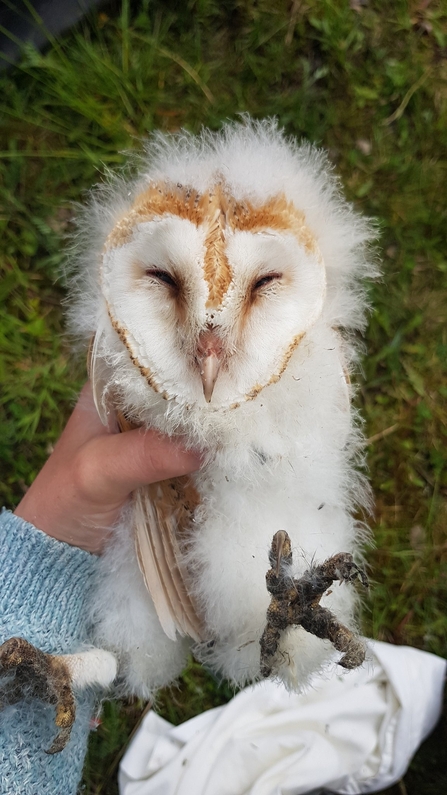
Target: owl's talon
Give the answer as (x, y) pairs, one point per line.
(39, 675)
(59, 742)
(280, 552)
(354, 654)
(343, 568)
(281, 543)
(296, 602)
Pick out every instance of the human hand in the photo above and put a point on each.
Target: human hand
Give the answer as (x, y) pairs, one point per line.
(80, 491)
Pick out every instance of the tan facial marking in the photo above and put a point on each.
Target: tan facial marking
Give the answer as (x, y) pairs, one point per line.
(169, 199)
(145, 372)
(217, 210)
(159, 199)
(216, 267)
(254, 392)
(278, 214)
(287, 356)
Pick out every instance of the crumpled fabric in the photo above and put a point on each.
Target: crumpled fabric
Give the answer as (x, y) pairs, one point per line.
(351, 732)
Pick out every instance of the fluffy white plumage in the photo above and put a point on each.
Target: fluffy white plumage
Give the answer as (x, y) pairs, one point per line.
(222, 286)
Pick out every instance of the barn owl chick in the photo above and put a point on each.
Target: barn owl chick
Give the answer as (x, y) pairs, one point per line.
(217, 286)
(218, 291)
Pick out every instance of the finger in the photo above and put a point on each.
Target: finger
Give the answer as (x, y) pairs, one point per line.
(84, 424)
(116, 464)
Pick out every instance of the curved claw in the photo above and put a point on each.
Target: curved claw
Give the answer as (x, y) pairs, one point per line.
(354, 655)
(280, 551)
(343, 568)
(59, 742)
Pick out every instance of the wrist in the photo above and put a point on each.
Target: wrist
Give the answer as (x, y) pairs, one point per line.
(57, 510)
(44, 586)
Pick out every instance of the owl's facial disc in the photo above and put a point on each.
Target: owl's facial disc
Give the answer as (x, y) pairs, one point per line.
(211, 308)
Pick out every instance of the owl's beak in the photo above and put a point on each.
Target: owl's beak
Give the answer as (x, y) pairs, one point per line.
(208, 372)
(209, 359)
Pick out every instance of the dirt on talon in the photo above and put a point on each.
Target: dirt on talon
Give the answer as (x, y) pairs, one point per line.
(42, 676)
(296, 602)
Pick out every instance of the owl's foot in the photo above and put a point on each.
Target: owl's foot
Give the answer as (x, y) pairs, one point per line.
(296, 602)
(39, 675)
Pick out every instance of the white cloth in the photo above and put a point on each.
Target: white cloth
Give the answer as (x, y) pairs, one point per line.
(351, 733)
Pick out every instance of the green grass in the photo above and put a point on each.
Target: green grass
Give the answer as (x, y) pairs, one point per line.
(368, 82)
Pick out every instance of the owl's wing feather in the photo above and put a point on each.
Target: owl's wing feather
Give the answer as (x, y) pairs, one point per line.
(98, 378)
(162, 513)
(160, 516)
(174, 503)
(150, 560)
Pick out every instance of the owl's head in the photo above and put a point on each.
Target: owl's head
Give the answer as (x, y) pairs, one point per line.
(211, 294)
(214, 264)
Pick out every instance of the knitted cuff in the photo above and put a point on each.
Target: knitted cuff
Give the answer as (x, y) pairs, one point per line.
(44, 584)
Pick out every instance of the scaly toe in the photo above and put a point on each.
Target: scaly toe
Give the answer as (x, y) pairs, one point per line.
(39, 675)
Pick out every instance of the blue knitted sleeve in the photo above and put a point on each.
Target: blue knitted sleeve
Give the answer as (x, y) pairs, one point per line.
(44, 586)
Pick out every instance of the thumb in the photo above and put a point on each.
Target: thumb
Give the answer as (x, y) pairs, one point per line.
(113, 465)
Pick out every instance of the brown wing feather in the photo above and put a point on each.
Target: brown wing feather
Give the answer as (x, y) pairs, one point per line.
(168, 512)
(162, 514)
(150, 561)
